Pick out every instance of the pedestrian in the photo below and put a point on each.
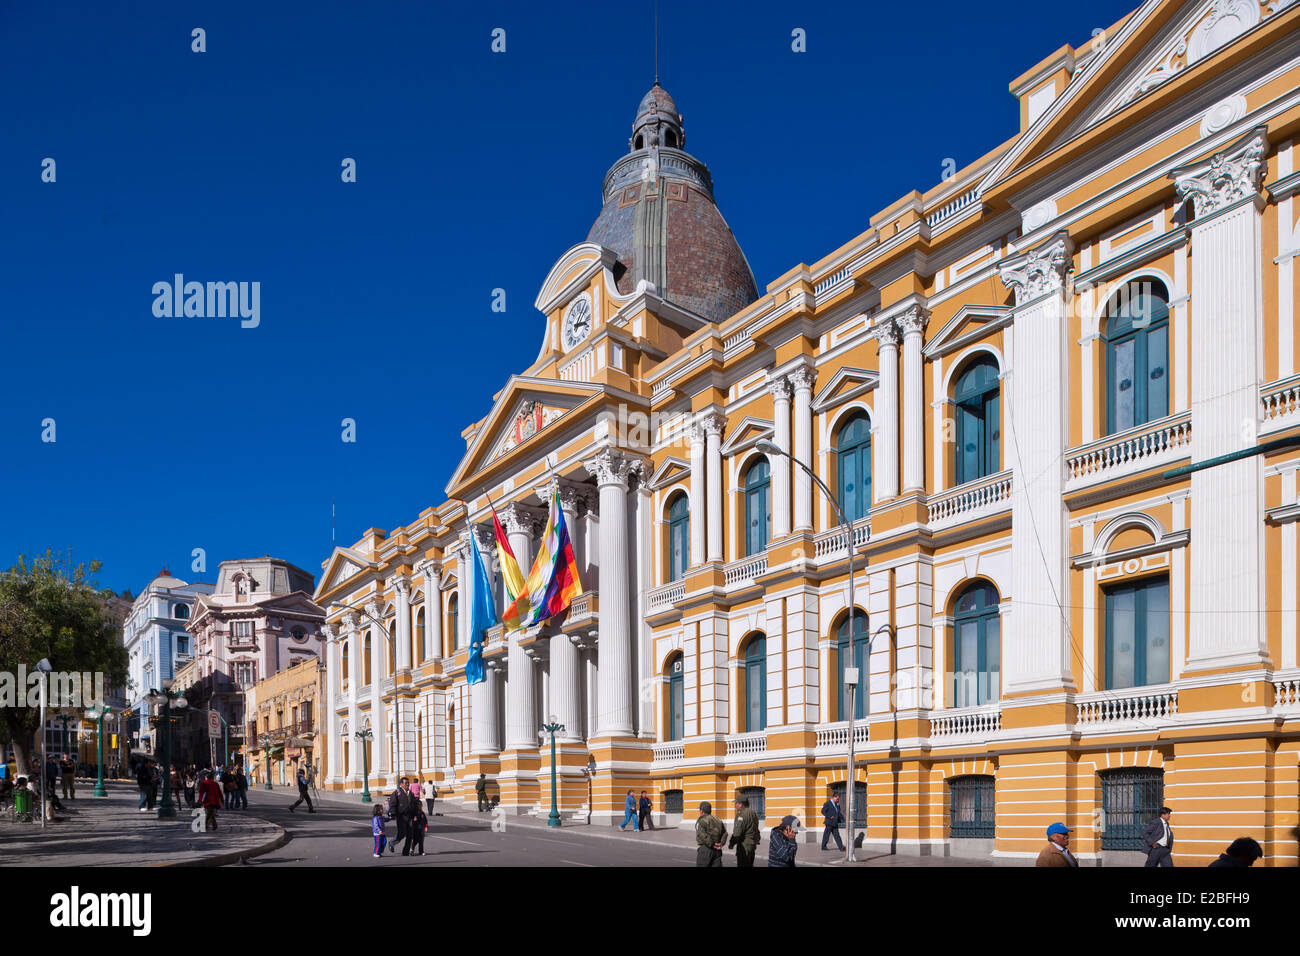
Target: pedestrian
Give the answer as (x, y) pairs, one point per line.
(228, 786)
(1057, 851)
(629, 812)
(1158, 836)
(419, 824)
(1241, 852)
(411, 807)
(51, 782)
(144, 780)
(174, 782)
(782, 845)
(430, 795)
(69, 771)
(834, 819)
(190, 783)
(744, 834)
(645, 816)
(155, 769)
(210, 799)
(377, 828)
(480, 788)
(241, 787)
(302, 792)
(417, 790)
(399, 809)
(710, 834)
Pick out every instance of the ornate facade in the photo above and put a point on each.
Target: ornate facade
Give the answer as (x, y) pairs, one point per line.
(999, 383)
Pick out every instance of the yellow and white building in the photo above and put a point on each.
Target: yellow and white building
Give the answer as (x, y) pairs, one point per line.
(994, 379)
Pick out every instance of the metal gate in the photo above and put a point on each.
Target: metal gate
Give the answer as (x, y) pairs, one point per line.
(970, 811)
(859, 802)
(1130, 798)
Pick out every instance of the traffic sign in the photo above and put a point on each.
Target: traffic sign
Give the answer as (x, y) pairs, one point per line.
(214, 725)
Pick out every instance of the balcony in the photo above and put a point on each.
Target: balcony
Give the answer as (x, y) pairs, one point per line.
(672, 752)
(969, 501)
(1279, 404)
(583, 611)
(745, 746)
(831, 545)
(834, 738)
(1286, 693)
(1133, 707)
(965, 723)
(742, 573)
(667, 596)
(1127, 453)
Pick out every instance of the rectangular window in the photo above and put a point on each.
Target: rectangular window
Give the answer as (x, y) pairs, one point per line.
(1137, 634)
(1157, 373)
(243, 629)
(971, 811)
(1122, 391)
(1130, 798)
(676, 703)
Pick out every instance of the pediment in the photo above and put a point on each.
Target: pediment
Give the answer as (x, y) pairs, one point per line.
(969, 323)
(524, 409)
(670, 471)
(1160, 42)
(747, 434)
(845, 385)
(572, 273)
(342, 564)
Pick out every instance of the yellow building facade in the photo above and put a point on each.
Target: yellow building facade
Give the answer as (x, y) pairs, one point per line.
(998, 382)
(282, 725)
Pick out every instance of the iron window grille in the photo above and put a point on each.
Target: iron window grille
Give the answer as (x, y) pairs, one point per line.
(970, 811)
(1130, 798)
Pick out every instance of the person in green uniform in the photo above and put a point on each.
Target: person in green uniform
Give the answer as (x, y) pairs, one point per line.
(480, 788)
(744, 834)
(710, 835)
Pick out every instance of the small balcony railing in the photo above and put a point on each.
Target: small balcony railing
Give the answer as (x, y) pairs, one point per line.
(970, 500)
(1279, 402)
(966, 722)
(674, 751)
(667, 596)
(831, 545)
(744, 571)
(1139, 705)
(1286, 693)
(834, 738)
(1129, 452)
(747, 745)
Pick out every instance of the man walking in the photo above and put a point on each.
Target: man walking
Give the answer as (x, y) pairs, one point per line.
(629, 812)
(834, 819)
(480, 788)
(302, 792)
(210, 800)
(1057, 851)
(709, 837)
(399, 808)
(144, 780)
(69, 771)
(744, 834)
(1158, 835)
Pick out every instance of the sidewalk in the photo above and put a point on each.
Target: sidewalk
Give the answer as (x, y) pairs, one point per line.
(110, 831)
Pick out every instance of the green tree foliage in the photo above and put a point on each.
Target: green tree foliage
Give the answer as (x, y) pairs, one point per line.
(50, 609)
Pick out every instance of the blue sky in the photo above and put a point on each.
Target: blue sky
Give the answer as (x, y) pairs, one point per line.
(475, 171)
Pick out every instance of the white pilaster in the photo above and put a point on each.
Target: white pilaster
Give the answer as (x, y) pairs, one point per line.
(780, 465)
(697, 494)
(403, 588)
(432, 611)
(802, 379)
(713, 426)
(912, 324)
(884, 431)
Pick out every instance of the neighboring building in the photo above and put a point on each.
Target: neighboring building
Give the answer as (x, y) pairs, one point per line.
(281, 713)
(157, 640)
(259, 621)
(994, 380)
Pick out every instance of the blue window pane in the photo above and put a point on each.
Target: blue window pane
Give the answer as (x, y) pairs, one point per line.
(1157, 373)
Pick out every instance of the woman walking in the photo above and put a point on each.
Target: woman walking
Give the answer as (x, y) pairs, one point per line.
(189, 786)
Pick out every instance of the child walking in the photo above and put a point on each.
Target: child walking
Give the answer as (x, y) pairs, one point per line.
(419, 823)
(377, 828)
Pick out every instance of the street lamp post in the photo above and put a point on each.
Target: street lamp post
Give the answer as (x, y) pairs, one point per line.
(168, 699)
(552, 727)
(768, 448)
(43, 666)
(99, 714)
(266, 752)
(364, 736)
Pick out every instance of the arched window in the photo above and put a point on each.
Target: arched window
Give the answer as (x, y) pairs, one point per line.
(453, 616)
(676, 723)
(365, 661)
(182, 612)
(758, 506)
(419, 637)
(754, 694)
(852, 652)
(1137, 355)
(671, 139)
(679, 538)
(1137, 634)
(853, 449)
(976, 647)
(977, 407)
(392, 647)
(451, 736)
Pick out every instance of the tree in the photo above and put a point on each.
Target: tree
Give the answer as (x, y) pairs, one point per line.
(49, 609)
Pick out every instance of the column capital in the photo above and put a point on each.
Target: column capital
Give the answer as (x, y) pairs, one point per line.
(372, 608)
(803, 377)
(430, 567)
(518, 519)
(713, 425)
(1039, 271)
(612, 466)
(1225, 178)
(886, 333)
(402, 585)
(486, 539)
(573, 496)
(912, 321)
(695, 433)
(328, 631)
(779, 386)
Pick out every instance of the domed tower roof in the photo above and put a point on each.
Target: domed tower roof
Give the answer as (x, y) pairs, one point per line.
(660, 219)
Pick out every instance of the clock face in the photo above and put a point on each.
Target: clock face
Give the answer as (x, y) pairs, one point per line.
(577, 322)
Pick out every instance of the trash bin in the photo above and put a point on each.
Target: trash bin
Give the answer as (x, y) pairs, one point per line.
(23, 806)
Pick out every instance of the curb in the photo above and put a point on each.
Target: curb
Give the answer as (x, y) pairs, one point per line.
(234, 856)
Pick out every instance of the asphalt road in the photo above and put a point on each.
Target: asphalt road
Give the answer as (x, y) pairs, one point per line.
(338, 835)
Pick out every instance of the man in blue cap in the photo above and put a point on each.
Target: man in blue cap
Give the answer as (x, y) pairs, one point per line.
(1057, 851)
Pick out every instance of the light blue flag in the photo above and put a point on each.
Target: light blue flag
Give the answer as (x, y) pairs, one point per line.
(483, 615)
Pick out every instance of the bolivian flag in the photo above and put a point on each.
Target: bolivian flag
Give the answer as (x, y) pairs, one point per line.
(552, 583)
(514, 578)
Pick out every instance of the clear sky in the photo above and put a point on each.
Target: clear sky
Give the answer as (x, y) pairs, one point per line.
(475, 171)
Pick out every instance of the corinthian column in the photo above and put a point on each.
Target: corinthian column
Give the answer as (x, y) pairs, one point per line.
(802, 379)
(611, 469)
(912, 323)
(884, 439)
(432, 610)
(521, 696)
(1227, 559)
(352, 637)
(713, 425)
(780, 465)
(328, 720)
(566, 660)
(1036, 652)
(403, 588)
(696, 493)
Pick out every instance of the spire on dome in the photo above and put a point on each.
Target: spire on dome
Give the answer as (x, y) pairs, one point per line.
(657, 123)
